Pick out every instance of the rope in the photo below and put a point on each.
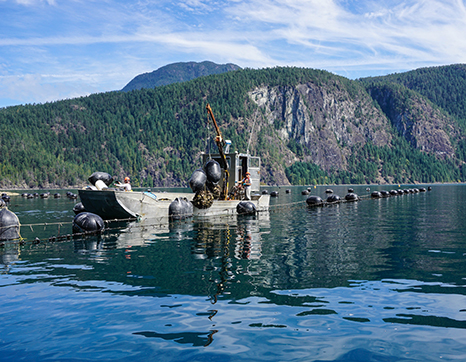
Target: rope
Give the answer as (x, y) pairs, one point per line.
(207, 140)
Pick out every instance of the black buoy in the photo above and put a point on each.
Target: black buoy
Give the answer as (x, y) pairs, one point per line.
(288, 191)
(45, 195)
(274, 194)
(314, 200)
(376, 194)
(393, 192)
(9, 225)
(305, 192)
(57, 195)
(246, 208)
(198, 180)
(351, 197)
(78, 208)
(87, 222)
(333, 198)
(72, 196)
(6, 198)
(429, 188)
(265, 192)
(180, 209)
(422, 189)
(350, 190)
(100, 176)
(329, 191)
(213, 171)
(385, 193)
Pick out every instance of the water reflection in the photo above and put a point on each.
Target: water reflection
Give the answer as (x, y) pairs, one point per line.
(248, 238)
(9, 256)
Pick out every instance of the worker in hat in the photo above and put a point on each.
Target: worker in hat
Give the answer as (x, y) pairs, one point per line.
(246, 183)
(125, 186)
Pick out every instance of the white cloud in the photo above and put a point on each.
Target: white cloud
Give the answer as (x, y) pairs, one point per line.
(109, 38)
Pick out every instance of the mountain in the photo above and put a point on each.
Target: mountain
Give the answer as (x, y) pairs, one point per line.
(444, 86)
(177, 73)
(308, 126)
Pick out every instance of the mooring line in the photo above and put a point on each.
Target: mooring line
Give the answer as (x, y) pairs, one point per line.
(159, 221)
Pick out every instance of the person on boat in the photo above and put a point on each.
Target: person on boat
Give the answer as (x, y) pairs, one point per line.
(125, 186)
(246, 183)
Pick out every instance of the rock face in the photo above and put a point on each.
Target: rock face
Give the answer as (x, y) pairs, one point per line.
(326, 122)
(418, 121)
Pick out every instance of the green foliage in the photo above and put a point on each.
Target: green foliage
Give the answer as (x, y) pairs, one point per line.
(151, 132)
(398, 163)
(156, 135)
(444, 86)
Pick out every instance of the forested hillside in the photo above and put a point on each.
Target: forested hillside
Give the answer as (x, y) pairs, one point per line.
(309, 126)
(444, 86)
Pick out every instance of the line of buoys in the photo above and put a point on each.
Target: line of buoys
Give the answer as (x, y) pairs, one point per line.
(314, 200)
(384, 193)
(28, 195)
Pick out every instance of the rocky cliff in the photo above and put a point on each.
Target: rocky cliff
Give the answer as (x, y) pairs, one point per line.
(326, 123)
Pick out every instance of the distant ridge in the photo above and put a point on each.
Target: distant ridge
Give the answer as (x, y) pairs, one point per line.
(177, 73)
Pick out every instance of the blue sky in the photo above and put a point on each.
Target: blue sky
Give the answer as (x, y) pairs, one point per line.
(58, 49)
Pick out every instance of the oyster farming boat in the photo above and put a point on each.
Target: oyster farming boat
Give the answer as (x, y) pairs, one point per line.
(217, 190)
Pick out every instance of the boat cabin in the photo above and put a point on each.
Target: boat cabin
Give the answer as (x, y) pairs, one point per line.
(239, 164)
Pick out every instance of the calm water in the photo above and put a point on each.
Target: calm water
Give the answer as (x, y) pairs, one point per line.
(376, 280)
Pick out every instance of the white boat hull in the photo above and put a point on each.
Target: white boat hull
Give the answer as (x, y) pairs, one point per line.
(112, 204)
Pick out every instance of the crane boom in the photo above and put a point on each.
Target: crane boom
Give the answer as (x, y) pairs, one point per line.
(220, 144)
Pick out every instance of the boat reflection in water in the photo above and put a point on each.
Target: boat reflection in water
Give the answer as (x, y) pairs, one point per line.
(208, 258)
(241, 239)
